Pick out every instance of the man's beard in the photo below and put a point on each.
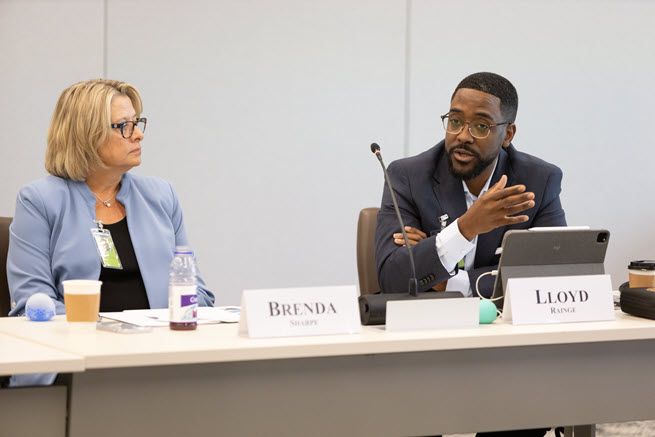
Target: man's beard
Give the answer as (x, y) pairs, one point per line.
(478, 168)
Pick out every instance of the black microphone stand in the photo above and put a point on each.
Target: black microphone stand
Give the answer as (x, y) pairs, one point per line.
(413, 283)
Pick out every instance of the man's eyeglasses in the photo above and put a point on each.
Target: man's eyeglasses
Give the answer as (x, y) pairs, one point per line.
(479, 129)
(127, 127)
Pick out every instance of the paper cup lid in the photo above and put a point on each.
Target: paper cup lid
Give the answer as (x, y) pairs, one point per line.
(643, 264)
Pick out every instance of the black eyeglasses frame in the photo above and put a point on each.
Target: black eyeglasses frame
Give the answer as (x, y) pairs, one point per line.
(134, 123)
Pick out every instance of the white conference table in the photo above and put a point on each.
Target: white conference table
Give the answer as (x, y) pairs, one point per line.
(21, 356)
(216, 382)
(18, 406)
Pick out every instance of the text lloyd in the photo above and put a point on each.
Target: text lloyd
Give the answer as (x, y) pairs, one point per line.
(300, 309)
(570, 296)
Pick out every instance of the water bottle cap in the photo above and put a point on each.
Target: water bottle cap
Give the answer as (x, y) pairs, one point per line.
(183, 250)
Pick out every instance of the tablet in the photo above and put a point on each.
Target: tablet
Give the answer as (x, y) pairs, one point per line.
(550, 252)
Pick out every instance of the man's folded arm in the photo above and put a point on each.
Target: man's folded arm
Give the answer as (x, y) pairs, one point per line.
(392, 260)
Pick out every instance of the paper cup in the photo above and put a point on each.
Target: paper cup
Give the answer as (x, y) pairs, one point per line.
(641, 274)
(82, 300)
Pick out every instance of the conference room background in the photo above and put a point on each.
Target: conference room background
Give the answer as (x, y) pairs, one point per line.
(261, 112)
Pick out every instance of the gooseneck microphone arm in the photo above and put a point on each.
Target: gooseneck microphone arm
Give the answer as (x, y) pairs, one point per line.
(373, 307)
(413, 283)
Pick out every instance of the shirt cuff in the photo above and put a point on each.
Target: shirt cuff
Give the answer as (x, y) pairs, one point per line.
(452, 246)
(460, 282)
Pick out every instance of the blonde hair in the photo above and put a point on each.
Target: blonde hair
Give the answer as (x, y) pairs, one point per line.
(81, 124)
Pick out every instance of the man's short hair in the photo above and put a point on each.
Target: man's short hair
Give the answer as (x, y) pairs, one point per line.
(81, 124)
(495, 85)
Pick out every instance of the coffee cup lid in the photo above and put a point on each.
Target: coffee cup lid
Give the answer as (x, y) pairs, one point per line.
(643, 264)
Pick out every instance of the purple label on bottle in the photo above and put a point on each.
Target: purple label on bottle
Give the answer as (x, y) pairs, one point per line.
(189, 299)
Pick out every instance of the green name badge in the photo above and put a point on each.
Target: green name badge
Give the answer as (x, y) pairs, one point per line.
(106, 248)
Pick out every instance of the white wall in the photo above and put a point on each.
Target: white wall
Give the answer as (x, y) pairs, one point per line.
(261, 112)
(583, 71)
(44, 47)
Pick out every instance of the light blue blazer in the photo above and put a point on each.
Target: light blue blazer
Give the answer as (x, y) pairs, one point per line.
(50, 238)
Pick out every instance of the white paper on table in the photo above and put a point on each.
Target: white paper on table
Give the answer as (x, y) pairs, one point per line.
(159, 317)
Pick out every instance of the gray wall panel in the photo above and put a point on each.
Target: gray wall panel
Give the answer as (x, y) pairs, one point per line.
(261, 114)
(583, 72)
(44, 47)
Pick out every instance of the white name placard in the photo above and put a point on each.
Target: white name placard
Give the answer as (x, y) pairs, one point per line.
(421, 314)
(558, 299)
(290, 312)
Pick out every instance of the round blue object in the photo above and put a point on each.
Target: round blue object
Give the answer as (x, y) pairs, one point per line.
(40, 308)
(487, 311)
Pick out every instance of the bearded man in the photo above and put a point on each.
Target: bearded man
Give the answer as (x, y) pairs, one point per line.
(459, 197)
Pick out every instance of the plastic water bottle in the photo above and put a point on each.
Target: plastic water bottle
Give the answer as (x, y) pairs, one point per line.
(183, 291)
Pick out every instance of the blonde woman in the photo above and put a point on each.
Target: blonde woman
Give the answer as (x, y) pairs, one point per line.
(94, 140)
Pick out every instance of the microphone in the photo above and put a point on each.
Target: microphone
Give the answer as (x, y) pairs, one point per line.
(373, 307)
(413, 283)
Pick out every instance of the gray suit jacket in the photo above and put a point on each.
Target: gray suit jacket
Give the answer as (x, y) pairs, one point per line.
(426, 189)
